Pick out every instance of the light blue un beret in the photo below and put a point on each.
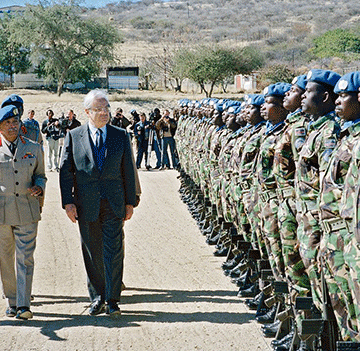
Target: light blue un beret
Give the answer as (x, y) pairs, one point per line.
(300, 81)
(277, 89)
(323, 76)
(255, 99)
(348, 83)
(8, 111)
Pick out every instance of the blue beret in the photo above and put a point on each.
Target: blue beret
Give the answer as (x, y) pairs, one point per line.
(348, 83)
(277, 89)
(300, 81)
(219, 107)
(13, 99)
(238, 109)
(323, 76)
(255, 99)
(8, 111)
(229, 103)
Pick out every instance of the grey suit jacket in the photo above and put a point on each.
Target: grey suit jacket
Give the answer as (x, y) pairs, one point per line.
(18, 173)
(81, 181)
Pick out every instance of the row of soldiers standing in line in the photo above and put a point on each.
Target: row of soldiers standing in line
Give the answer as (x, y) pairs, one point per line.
(276, 179)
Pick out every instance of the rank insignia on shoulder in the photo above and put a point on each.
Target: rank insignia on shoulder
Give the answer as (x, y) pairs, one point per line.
(28, 155)
(300, 132)
(330, 143)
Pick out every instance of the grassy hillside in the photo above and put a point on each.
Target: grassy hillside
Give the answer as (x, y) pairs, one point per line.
(283, 29)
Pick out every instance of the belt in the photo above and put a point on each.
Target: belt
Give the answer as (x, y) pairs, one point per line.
(286, 192)
(303, 207)
(336, 224)
(267, 195)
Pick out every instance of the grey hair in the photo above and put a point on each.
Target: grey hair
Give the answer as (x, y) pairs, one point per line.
(92, 95)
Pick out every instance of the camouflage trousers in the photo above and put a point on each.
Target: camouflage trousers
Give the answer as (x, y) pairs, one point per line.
(352, 261)
(336, 275)
(251, 207)
(309, 234)
(225, 196)
(270, 230)
(294, 266)
(215, 197)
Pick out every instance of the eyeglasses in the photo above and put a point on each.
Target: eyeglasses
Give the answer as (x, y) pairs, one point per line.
(100, 109)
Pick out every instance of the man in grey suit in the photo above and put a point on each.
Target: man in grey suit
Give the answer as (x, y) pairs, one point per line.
(22, 184)
(97, 182)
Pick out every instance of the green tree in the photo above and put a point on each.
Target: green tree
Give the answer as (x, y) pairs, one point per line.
(337, 43)
(275, 73)
(14, 58)
(211, 65)
(69, 46)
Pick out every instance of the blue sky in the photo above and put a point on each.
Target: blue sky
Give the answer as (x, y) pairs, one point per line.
(88, 3)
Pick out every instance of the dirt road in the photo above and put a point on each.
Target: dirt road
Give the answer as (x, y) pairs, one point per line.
(177, 297)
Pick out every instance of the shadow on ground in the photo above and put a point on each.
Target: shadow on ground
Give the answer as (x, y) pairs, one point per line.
(131, 318)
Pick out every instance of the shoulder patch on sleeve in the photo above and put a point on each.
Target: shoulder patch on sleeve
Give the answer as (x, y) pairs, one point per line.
(300, 132)
(330, 143)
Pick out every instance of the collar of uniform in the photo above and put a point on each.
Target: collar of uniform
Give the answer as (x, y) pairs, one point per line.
(354, 128)
(294, 116)
(270, 128)
(220, 128)
(313, 125)
(7, 142)
(257, 126)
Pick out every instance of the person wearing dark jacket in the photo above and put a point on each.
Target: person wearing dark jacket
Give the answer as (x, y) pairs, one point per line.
(98, 189)
(141, 132)
(119, 120)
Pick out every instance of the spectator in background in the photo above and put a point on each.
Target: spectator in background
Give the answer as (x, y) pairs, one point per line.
(69, 122)
(141, 132)
(119, 120)
(155, 116)
(52, 130)
(166, 127)
(32, 128)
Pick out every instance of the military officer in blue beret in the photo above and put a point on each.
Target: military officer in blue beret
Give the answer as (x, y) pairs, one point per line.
(28, 127)
(22, 184)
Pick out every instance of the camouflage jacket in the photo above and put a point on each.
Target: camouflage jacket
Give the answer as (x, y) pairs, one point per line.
(332, 186)
(265, 160)
(288, 147)
(314, 156)
(250, 152)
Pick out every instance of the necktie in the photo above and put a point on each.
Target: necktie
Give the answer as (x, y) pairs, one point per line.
(12, 148)
(99, 139)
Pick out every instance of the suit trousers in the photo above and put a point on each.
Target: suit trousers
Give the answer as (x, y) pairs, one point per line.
(103, 252)
(17, 246)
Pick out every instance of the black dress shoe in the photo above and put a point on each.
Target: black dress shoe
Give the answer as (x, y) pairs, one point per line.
(24, 313)
(112, 309)
(10, 311)
(268, 317)
(96, 308)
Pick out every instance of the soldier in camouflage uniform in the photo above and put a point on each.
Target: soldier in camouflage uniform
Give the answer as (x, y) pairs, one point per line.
(335, 229)
(274, 113)
(249, 194)
(286, 154)
(319, 102)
